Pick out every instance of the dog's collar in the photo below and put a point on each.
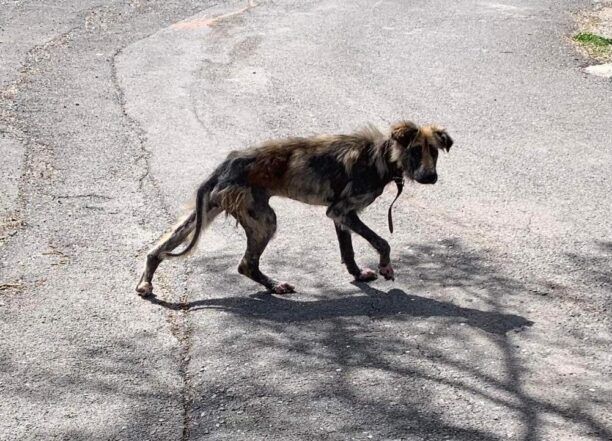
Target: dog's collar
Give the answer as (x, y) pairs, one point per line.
(399, 181)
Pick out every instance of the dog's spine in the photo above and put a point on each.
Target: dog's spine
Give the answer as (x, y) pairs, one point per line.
(202, 198)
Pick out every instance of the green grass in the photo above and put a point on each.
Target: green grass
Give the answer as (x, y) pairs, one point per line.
(593, 40)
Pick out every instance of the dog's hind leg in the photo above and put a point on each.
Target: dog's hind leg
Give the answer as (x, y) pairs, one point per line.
(168, 243)
(348, 255)
(259, 223)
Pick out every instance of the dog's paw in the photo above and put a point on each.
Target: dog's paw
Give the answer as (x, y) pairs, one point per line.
(366, 275)
(283, 288)
(144, 289)
(387, 272)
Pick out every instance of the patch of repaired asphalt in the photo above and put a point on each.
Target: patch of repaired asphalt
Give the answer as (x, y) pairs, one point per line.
(457, 341)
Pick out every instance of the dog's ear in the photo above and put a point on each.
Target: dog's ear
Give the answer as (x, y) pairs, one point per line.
(404, 132)
(445, 140)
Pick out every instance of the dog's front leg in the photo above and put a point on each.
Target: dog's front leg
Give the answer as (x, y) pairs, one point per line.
(351, 220)
(348, 255)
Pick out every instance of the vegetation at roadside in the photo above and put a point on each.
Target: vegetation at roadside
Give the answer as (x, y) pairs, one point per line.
(597, 46)
(593, 39)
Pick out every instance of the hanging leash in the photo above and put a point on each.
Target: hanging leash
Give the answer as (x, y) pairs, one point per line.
(399, 181)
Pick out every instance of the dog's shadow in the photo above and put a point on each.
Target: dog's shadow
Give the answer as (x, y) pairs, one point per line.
(374, 303)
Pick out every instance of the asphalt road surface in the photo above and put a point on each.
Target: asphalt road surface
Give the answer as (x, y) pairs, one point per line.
(498, 324)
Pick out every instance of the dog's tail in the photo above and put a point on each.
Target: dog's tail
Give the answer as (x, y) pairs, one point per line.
(201, 208)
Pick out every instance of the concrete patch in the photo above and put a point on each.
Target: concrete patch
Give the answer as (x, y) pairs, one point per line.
(601, 70)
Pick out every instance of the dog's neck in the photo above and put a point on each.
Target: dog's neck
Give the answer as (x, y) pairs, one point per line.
(391, 158)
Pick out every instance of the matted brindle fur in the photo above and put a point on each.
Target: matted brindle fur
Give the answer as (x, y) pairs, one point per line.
(345, 173)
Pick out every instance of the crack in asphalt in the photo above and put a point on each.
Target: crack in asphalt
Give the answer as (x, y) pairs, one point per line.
(146, 154)
(35, 151)
(182, 331)
(39, 154)
(178, 322)
(79, 196)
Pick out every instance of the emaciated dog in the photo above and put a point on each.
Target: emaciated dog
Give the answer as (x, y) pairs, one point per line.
(345, 173)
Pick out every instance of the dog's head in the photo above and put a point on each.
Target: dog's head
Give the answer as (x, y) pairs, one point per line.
(416, 149)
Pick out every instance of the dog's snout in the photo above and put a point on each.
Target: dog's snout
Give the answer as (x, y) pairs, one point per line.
(431, 179)
(427, 178)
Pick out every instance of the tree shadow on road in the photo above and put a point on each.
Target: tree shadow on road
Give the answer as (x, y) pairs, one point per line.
(392, 364)
(597, 266)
